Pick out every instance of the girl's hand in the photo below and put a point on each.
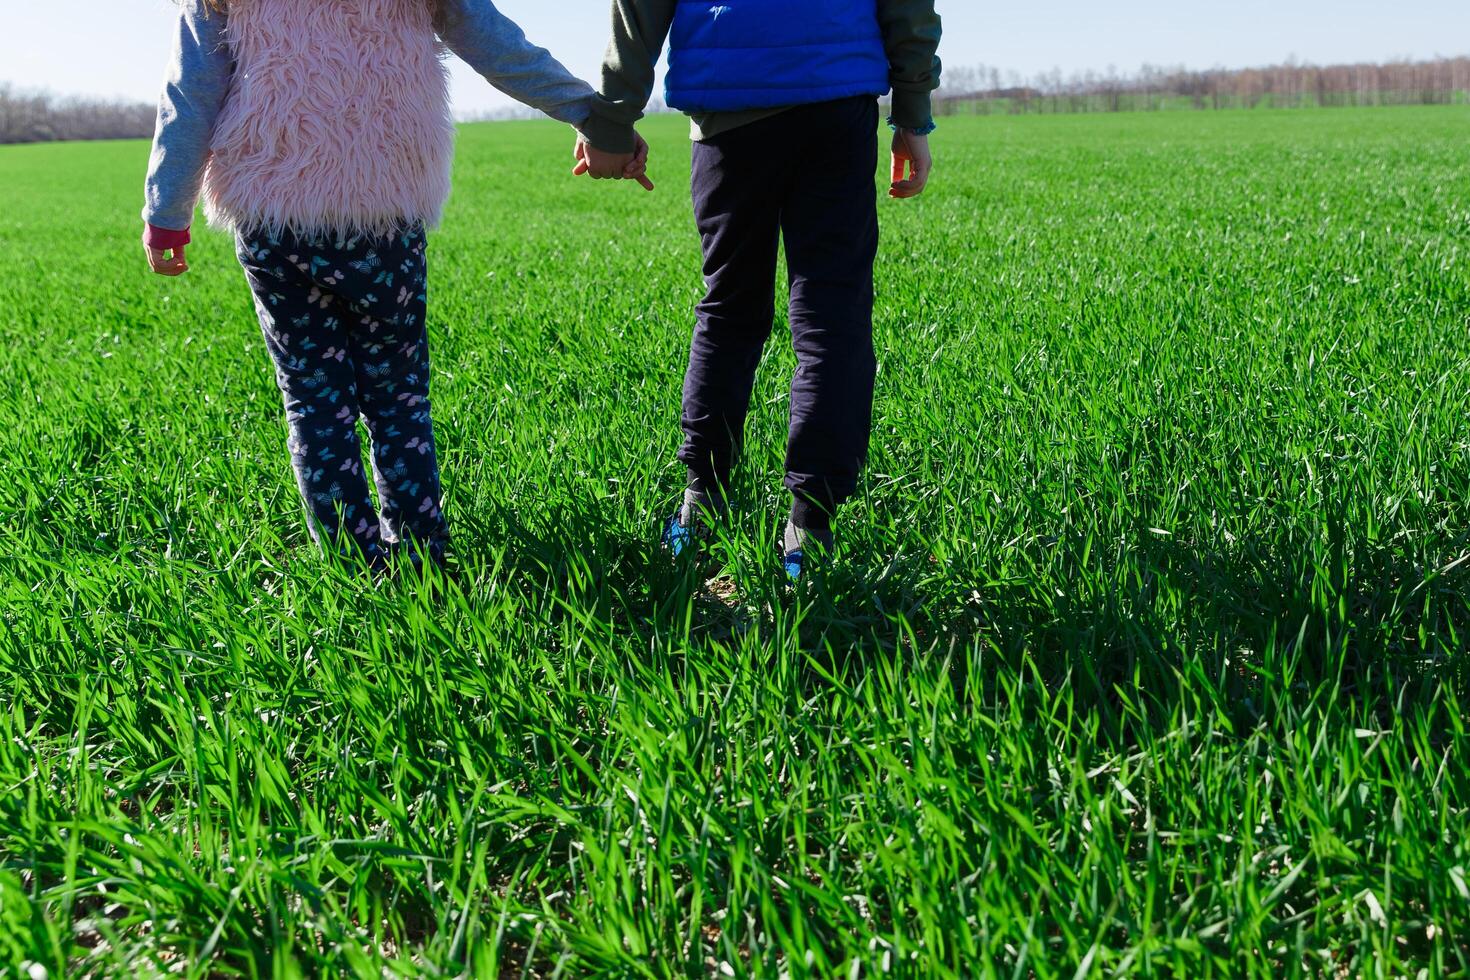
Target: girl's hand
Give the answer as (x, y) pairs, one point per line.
(167, 262)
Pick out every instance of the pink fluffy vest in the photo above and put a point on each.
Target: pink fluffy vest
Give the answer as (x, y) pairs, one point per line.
(337, 120)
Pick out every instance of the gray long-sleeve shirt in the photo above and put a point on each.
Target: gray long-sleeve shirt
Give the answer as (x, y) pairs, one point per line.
(201, 69)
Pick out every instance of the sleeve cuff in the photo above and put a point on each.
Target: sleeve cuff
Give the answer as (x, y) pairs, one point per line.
(608, 135)
(923, 130)
(912, 110)
(164, 238)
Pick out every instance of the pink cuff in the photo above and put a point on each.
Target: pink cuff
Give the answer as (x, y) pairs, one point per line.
(164, 239)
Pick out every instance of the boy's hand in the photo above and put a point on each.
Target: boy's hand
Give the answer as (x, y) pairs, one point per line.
(613, 166)
(912, 149)
(167, 262)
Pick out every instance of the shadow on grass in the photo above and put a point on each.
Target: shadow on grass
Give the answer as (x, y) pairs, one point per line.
(1335, 611)
(575, 559)
(1342, 614)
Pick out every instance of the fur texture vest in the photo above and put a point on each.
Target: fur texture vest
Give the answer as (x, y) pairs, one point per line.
(337, 120)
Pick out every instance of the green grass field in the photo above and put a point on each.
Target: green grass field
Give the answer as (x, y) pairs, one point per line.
(1145, 653)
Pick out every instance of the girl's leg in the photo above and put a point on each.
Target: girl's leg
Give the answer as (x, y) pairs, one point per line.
(390, 348)
(308, 341)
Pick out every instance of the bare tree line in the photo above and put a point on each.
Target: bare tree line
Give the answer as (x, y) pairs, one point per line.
(32, 117)
(38, 117)
(1291, 85)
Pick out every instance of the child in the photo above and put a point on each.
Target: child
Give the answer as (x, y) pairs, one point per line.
(319, 132)
(784, 102)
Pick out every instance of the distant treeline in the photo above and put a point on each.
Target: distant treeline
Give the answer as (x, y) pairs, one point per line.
(986, 90)
(35, 117)
(39, 117)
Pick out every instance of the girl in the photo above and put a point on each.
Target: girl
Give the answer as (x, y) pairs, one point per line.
(319, 133)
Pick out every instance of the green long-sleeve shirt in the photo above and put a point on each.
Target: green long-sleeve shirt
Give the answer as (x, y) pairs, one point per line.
(911, 30)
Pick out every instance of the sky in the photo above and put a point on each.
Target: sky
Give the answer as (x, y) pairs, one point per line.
(118, 47)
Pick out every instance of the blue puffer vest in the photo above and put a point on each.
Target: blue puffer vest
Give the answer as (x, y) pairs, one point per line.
(729, 55)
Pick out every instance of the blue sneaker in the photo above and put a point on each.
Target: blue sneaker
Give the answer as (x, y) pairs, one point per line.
(678, 536)
(803, 548)
(689, 529)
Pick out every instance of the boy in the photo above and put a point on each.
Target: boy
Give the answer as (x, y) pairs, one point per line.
(783, 98)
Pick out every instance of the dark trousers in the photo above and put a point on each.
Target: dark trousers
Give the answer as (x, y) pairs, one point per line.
(344, 323)
(805, 176)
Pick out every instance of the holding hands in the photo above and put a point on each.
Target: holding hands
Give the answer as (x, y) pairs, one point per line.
(601, 165)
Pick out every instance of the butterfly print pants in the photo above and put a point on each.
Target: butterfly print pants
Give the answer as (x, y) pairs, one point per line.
(343, 320)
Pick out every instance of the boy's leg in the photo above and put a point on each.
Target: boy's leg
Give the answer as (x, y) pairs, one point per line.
(307, 340)
(738, 182)
(384, 301)
(830, 224)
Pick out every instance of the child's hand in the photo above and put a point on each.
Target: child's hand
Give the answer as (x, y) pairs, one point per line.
(638, 168)
(167, 262)
(613, 166)
(912, 149)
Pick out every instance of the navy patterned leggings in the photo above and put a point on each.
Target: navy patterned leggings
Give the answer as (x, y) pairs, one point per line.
(343, 320)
